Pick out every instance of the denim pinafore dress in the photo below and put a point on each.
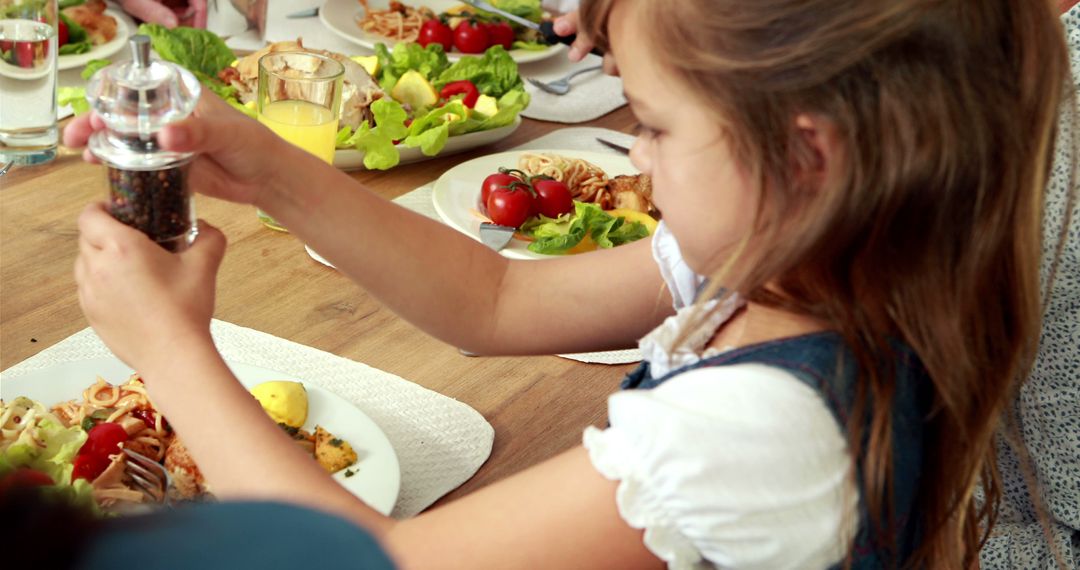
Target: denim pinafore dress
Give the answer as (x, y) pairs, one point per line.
(823, 362)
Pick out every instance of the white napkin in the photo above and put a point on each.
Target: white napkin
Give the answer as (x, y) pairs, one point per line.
(440, 442)
(592, 95)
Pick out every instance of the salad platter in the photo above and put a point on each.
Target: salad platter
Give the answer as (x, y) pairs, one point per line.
(342, 17)
(375, 477)
(403, 104)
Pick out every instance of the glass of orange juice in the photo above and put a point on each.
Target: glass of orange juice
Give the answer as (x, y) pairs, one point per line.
(300, 99)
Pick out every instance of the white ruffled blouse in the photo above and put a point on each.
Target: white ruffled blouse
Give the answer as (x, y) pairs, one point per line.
(738, 466)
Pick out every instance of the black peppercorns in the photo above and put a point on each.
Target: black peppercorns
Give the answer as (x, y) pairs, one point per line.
(155, 202)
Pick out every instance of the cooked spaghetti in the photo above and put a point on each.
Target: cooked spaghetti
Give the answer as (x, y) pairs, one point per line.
(586, 181)
(398, 22)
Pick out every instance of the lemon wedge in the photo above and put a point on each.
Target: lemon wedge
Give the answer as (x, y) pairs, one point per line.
(415, 91)
(370, 63)
(635, 216)
(286, 402)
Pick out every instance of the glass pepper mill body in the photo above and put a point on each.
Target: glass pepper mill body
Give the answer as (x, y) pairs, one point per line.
(148, 187)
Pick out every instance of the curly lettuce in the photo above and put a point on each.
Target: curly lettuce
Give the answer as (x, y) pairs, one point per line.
(558, 236)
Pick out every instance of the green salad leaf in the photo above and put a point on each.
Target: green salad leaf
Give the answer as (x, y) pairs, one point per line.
(529, 46)
(429, 62)
(92, 67)
(78, 40)
(495, 73)
(557, 236)
(377, 143)
(528, 9)
(199, 51)
(74, 96)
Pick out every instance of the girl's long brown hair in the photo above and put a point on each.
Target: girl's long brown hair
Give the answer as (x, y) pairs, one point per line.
(927, 227)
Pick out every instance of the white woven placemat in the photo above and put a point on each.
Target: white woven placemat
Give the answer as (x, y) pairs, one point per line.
(577, 138)
(439, 441)
(592, 95)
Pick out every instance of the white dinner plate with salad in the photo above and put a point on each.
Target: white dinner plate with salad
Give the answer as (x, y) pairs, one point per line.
(351, 159)
(376, 475)
(124, 27)
(342, 17)
(456, 194)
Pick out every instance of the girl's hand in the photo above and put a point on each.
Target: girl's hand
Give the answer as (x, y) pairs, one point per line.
(568, 24)
(168, 13)
(146, 304)
(234, 150)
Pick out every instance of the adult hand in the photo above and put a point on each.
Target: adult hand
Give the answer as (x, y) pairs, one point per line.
(145, 303)
(168, 13)
(232, 162)
(568, 24)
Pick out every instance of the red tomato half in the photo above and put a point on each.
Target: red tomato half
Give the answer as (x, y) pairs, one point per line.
(436, 32)
(492, 183)
(104, 439)
(552, 197)
(62, 33)
(88, 466)
(24, 477)
(24, 54)
(471, 37)
(510, 206)
(500, 33)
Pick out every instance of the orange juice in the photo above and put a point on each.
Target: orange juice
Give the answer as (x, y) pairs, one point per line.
(307, 125)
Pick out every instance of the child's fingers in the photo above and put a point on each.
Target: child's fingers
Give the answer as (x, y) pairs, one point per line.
(151, 11)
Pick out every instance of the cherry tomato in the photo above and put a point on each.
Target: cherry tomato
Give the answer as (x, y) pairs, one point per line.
(62, 33)
(24, 54)
(494, 182)
(88, 466)
(24, 477)
(104, 440)
(436, 32)
(471, 37)
(510, 206)
(500, 33)
(552, 197)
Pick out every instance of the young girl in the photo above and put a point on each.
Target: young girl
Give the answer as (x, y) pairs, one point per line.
(859, 181)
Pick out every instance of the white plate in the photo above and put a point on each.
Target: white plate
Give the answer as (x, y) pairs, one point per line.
(124, 28)
(377, 478)
(341, 17)
(350, 159)
(456, 194)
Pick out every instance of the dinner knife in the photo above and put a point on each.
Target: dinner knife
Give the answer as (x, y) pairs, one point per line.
(614, 146)
(546, 28)
(495, 236)
(309, 13)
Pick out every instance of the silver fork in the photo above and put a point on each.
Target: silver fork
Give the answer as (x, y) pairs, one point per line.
(562, 86)
(150, 477)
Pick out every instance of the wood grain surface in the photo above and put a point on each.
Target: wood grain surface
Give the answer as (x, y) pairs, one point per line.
(538, 405)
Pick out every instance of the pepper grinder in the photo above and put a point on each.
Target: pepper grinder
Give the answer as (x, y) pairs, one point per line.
(148, 187)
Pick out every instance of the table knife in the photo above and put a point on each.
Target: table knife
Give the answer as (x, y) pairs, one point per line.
(546, 28)
(495, 236)
(309, 13)
(616, 147)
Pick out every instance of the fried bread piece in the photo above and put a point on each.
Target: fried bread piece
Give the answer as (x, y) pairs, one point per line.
(332, 453)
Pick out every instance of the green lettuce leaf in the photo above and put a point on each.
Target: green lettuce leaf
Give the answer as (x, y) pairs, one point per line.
(509, 105)
(92, 67)
(75, 49)
(495, 73)
(377, 143)
(555, 237)
(74, 96)
(69, 3)
(430, 131)
(199, 51)
(529, 46)
(429, 62)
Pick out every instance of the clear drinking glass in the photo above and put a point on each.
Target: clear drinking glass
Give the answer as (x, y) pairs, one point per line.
(28, 133)
(300, 99)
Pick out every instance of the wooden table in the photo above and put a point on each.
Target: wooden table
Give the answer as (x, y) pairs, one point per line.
(538, 405)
